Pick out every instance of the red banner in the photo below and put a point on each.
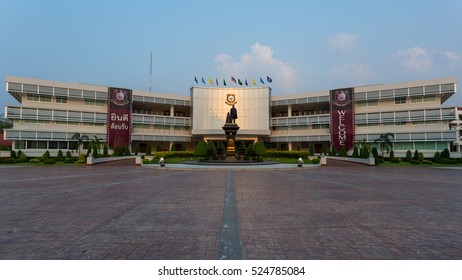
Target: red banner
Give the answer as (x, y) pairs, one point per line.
(119, 117)
(342, 118)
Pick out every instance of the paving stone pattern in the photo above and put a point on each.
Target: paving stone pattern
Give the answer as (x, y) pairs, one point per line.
(343, 211)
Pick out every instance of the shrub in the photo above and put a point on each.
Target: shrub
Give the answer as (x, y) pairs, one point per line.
(448, 161)
(127, 151)
(408, 155)
(149, 150)
(426, 161)
(106, 151)
(392, 155)
(315, 161)
(46, 155)
(445, 154)
(173, 148)
(34, 160)
(145, 161)
(158, 147)
(21, 158)
(437, 157)
(414, 161)
(416, 154)
(395, 160)
(324, 149)
(259, 148)
(420, 156)
(201, 149)
(68, 154)
(343, 152)
(311, 149)
(9, 160)
(13, 154)
(355, 152)
(289, 154)
(49, 161)
(19, 154)
(333, 151)
(68, 160)
(82, 158)
(60, 156)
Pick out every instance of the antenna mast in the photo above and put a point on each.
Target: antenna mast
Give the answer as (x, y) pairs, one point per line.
(150, 73)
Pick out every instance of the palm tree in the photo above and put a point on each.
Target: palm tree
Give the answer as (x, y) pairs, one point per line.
(80, 139)
(96, 142)
(385, 142)
(365, 149)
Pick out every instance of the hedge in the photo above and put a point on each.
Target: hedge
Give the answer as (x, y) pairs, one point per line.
(289, 154)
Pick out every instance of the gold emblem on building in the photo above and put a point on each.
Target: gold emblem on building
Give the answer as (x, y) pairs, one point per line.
(231, 99)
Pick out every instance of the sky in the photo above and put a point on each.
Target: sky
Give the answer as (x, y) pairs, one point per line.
(304, 46)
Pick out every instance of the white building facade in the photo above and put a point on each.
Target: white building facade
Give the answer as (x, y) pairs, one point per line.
(51, 112)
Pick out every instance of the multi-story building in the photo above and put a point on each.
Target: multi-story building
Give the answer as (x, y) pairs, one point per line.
(51, 112)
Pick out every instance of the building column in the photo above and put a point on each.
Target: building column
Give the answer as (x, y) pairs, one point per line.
(289, 146)
(170, 144)
(172, 111)
(289, 110)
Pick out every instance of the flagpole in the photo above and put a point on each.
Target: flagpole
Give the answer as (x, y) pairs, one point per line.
(150, 73)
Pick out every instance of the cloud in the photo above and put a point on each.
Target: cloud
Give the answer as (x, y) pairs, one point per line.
(415, 59)
(352, 73)
(260, 62)
(343, 42)
(419, 60)
(452, 58)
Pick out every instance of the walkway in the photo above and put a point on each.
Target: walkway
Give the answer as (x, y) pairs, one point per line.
(128, 212)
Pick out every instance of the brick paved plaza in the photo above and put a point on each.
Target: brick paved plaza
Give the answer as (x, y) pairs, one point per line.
(343, 211)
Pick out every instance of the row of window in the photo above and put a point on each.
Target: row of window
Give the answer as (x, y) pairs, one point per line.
(60, 123)
(45, 145)
(62, 100)
(399, 100)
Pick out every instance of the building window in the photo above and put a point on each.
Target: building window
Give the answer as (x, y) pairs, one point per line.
(61, 99)
(400, 100)
(94, 102)
(424, 98)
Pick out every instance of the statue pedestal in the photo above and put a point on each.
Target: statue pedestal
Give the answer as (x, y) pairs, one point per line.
(230, 131)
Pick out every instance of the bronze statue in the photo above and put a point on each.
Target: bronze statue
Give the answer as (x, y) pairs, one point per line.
(233, 114)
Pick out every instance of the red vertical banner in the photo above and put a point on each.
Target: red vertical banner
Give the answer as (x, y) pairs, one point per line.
(342, 118)
(119, 117)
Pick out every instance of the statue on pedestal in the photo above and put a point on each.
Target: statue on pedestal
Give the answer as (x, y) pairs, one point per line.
(231, 116)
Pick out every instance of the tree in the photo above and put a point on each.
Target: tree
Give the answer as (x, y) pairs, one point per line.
(80, 139)
(201, 149)
(149, 150)
(333, 151)
(355, 152)
(384, 142)
(127, 151)
(324, 150)
(137, 149)
(5, 123)
(365, 149)
(259, 148)
(343, 151)
(97, 143)
(311, 149)
(105, 151)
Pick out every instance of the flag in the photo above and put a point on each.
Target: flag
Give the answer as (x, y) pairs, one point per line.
(224, 82)
(246, 82)
(261, 81)
(195, 79)
(239, 82)
(203, 81)
(233, 80)
(269, 79)
(254, 82)
(210, 81)
(216, 80)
